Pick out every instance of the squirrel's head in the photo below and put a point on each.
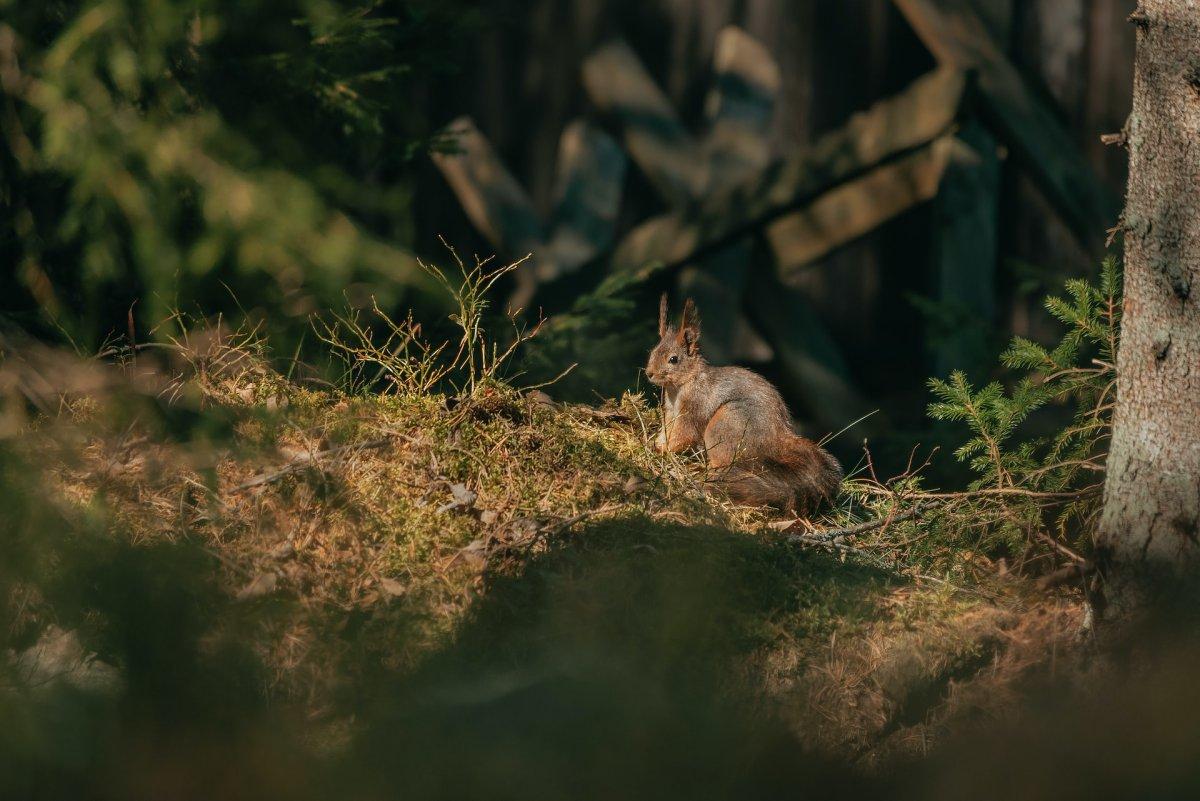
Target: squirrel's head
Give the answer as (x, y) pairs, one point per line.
(676, 358)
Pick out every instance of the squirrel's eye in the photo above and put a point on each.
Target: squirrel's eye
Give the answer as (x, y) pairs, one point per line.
(673, 360)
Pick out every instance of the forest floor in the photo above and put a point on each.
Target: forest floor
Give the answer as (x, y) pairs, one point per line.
(484, 547)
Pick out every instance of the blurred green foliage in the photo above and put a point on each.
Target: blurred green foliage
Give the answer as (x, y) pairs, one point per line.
(237, 156)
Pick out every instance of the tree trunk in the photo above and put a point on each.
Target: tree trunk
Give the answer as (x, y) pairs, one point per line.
(1151, 519)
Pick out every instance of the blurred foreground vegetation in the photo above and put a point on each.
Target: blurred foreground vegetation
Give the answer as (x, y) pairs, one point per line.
(242, 157)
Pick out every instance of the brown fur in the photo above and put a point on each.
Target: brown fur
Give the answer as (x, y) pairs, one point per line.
(740, 421)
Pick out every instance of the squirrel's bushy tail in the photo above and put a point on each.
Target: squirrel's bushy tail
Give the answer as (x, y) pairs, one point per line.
(798, 478)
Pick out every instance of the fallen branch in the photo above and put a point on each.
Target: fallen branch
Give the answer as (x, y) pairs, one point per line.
(826, 536)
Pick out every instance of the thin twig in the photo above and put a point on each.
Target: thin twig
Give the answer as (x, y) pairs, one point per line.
(831, 534)
(986, 491)
(808, 539)
(1085, 464)
(1066, 551)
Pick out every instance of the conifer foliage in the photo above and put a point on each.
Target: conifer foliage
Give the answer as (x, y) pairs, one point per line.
(1052, 479)
(159, 150)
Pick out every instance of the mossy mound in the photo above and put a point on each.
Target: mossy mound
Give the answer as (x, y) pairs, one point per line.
(406, 561)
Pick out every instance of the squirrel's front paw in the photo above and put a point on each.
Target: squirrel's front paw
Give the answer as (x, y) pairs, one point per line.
(660, 442)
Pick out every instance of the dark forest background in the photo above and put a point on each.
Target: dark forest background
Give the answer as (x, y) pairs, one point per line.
(79, 268)
(521, 84)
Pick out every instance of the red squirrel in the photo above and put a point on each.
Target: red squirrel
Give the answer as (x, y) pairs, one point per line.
(740, 420)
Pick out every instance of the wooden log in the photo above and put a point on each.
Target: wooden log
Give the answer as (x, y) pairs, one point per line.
(591, 172)
(739, 108)
(587, 198)
(811, 366)
(918, 115)
(859, 206)
(493, 200)
(957, 37)
(671, 159)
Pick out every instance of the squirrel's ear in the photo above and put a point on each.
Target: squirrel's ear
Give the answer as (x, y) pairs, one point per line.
(689, 315)
(689, 328)
(691, 340)
(662, 315)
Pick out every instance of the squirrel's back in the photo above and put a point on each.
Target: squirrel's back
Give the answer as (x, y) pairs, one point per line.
(756, 455)
(716, 387)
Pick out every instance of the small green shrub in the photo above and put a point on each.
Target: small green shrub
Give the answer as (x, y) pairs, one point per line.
(1029, 484)
(397, 356)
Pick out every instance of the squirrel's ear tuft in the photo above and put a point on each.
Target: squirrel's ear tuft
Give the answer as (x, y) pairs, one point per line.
(690, 320)
(662, 315)
(689, 328)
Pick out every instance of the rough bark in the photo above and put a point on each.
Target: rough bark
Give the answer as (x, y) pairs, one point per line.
(1151, 519)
